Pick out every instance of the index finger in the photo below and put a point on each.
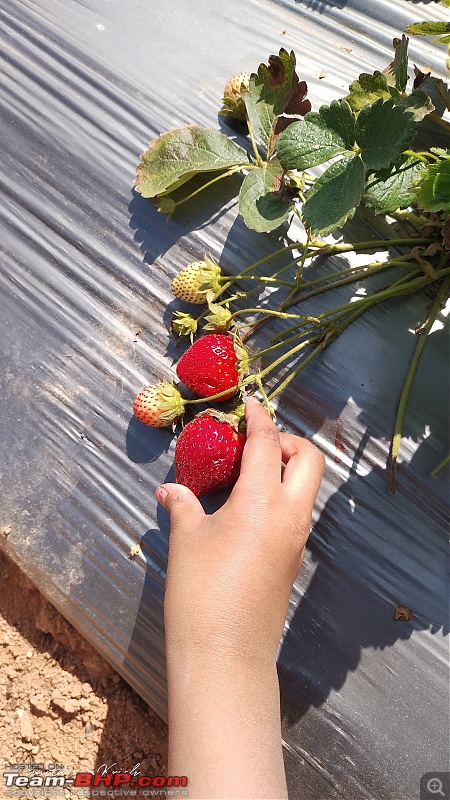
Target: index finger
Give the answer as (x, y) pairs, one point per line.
(261, 459)
(303, 472)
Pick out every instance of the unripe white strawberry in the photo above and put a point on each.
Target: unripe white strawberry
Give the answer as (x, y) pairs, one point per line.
(159, 405)
(233, 103)
(196, 281)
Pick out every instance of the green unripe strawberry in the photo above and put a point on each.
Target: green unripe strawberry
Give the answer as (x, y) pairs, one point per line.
(196, 281)
(233, 103)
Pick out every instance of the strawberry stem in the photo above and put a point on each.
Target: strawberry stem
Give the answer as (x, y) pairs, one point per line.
(404, 397)
(412, 275)
(281, 314)
(440, 467)
(332, 330)
(237, 168)
(266, 402)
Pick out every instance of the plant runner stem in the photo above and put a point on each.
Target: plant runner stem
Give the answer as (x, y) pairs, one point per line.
(407, 280)
(382, 243)
(354, 274)
(351, 278)
(359, 307)
(392, 262)
(226, 174)
(338, 311)
(332, 334)
(319, 249)
(404, 397)
(282, 314)
(335, 331)
(444, 463)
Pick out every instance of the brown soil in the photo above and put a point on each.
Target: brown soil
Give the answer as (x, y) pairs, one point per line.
(60, 701)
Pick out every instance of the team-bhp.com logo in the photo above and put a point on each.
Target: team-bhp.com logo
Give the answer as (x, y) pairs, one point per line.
(117, 784)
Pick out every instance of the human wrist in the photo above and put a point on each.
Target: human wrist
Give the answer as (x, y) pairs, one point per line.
(225, 729)
(218, 659)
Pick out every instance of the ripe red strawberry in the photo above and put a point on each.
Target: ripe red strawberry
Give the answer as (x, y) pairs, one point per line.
(210, 366)
(208, 452)
(159, 405)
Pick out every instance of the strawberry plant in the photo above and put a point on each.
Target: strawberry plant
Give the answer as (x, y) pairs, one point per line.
(364, 144)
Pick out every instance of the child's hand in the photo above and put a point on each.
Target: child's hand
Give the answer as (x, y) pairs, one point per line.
(228, 583)
(230, 574)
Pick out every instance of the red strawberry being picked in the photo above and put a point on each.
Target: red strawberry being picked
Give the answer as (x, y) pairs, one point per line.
(208, 452)
(210, 366)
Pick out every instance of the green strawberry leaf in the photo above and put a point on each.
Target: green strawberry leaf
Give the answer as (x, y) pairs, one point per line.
(318, 137)
(436, 89)
(178, 155)
(439, 151)
(433, 187)
(397, 71)
(370, 88)
(262, 200)
(417, 103)
(389, 189)
(441, 40)
(383, 131)
(335, 196)
(428, 28)
(274, 89)
(367, 89)
(267, 94)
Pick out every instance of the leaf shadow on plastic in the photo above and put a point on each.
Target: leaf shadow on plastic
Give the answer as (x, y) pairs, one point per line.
(155, 234)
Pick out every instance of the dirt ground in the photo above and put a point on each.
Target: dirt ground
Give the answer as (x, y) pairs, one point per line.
(60, 701)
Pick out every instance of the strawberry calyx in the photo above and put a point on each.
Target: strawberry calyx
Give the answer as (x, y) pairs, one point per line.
(242, 356)
(231, 418)
(170, 401)
(184, 324)
(218, 319)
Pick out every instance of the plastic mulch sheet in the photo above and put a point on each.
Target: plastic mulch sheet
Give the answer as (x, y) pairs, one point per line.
(85, 302)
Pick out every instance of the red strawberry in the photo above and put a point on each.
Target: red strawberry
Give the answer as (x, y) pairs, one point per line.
(159, 405)
(210, 366)
(208, 452)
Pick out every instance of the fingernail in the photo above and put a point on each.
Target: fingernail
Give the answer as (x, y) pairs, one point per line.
(161, 494)
(253, 401)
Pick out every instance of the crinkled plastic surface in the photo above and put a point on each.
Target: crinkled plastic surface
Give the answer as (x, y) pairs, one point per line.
(85, 288)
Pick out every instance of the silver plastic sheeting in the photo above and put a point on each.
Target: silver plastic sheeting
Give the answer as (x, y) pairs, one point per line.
(85, 302)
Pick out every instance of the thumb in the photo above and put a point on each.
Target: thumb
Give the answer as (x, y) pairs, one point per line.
(183, 506)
